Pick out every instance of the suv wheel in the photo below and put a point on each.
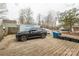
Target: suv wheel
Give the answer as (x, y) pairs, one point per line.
(43, 35)
(23, 38)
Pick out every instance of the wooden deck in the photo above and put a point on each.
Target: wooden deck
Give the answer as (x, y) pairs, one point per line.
(69, 37)
(39, 47)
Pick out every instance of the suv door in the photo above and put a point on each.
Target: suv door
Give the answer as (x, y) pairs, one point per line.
(35, 32)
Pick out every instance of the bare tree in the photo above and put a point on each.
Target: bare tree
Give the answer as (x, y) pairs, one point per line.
(3, 10)
(26, 16)
(21, 18)
(39, 19)
(48, 20)
(69, 17)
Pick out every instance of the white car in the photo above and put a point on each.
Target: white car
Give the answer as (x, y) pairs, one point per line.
(48, 30)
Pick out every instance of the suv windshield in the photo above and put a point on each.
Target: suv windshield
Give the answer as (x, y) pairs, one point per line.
(28, 27)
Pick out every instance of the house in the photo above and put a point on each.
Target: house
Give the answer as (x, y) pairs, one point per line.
(9, 26)
(3, 10)
(76, 28)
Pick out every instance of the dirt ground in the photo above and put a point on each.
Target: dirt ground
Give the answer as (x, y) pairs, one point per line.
(38, 47)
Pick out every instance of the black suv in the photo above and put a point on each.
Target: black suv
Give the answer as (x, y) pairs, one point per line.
(30, 32)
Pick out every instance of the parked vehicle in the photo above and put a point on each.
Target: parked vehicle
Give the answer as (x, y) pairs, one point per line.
(48, 30)
(26, 32)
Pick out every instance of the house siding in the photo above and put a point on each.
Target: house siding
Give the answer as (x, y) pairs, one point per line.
(10, 26)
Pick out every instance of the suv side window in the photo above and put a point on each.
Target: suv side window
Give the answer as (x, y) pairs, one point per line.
(36, 29)
(33, 29)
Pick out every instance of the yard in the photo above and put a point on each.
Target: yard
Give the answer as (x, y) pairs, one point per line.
(38, 47)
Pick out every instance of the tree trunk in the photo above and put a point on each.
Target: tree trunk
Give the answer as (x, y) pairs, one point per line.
(70, 27)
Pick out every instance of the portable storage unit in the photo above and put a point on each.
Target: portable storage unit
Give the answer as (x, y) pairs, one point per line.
(56, 34)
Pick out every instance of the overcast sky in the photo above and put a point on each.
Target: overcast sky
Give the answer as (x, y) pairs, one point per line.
(39, 6)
